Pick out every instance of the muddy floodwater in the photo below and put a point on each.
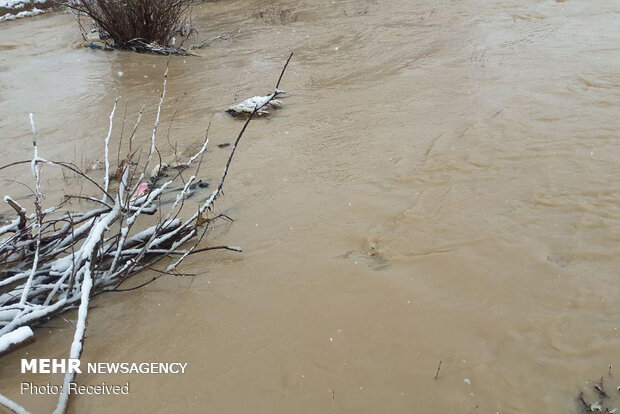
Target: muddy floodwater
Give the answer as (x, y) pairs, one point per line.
(442, 184)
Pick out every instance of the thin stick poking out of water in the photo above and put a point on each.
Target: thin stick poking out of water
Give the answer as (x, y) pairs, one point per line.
(438, 369)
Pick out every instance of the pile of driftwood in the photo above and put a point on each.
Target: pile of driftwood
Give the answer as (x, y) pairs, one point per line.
(53, 260)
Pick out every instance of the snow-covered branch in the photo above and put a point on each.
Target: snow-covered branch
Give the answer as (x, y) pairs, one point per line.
(55, 259)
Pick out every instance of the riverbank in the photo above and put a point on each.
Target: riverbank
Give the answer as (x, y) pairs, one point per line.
(18, 9)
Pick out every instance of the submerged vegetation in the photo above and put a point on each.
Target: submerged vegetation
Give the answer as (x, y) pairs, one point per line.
(140, 25)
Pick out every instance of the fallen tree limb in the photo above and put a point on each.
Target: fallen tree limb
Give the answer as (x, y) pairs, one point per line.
(54, 260)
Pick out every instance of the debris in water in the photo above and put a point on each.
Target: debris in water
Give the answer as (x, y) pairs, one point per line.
(141, 190)
(605, 404)
(256, 105)
(95, 41)
(599, 388)
(438, 367)
(48, 269)
(264, 103)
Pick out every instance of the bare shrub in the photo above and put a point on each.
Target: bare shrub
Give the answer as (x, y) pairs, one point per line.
(134, 22)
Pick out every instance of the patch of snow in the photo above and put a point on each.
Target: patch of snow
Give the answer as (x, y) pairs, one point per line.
(17, 4)
(10, 16)
(262, 102)
(17, 336)
(8, 315)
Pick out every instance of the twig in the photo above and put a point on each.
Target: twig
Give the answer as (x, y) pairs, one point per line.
(438, 369)
(106, 177)
(21, 212)
(599, 389)
(283, 70)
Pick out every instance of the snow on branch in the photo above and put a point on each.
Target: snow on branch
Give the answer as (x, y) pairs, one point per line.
(54, 260)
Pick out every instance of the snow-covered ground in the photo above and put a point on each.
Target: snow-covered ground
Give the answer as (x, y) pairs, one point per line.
(15, 9)
(18, 4)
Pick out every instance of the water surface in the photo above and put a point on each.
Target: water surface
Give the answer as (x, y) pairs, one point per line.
(442, 184)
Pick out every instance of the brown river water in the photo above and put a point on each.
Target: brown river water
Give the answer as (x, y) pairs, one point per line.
(441, 185)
